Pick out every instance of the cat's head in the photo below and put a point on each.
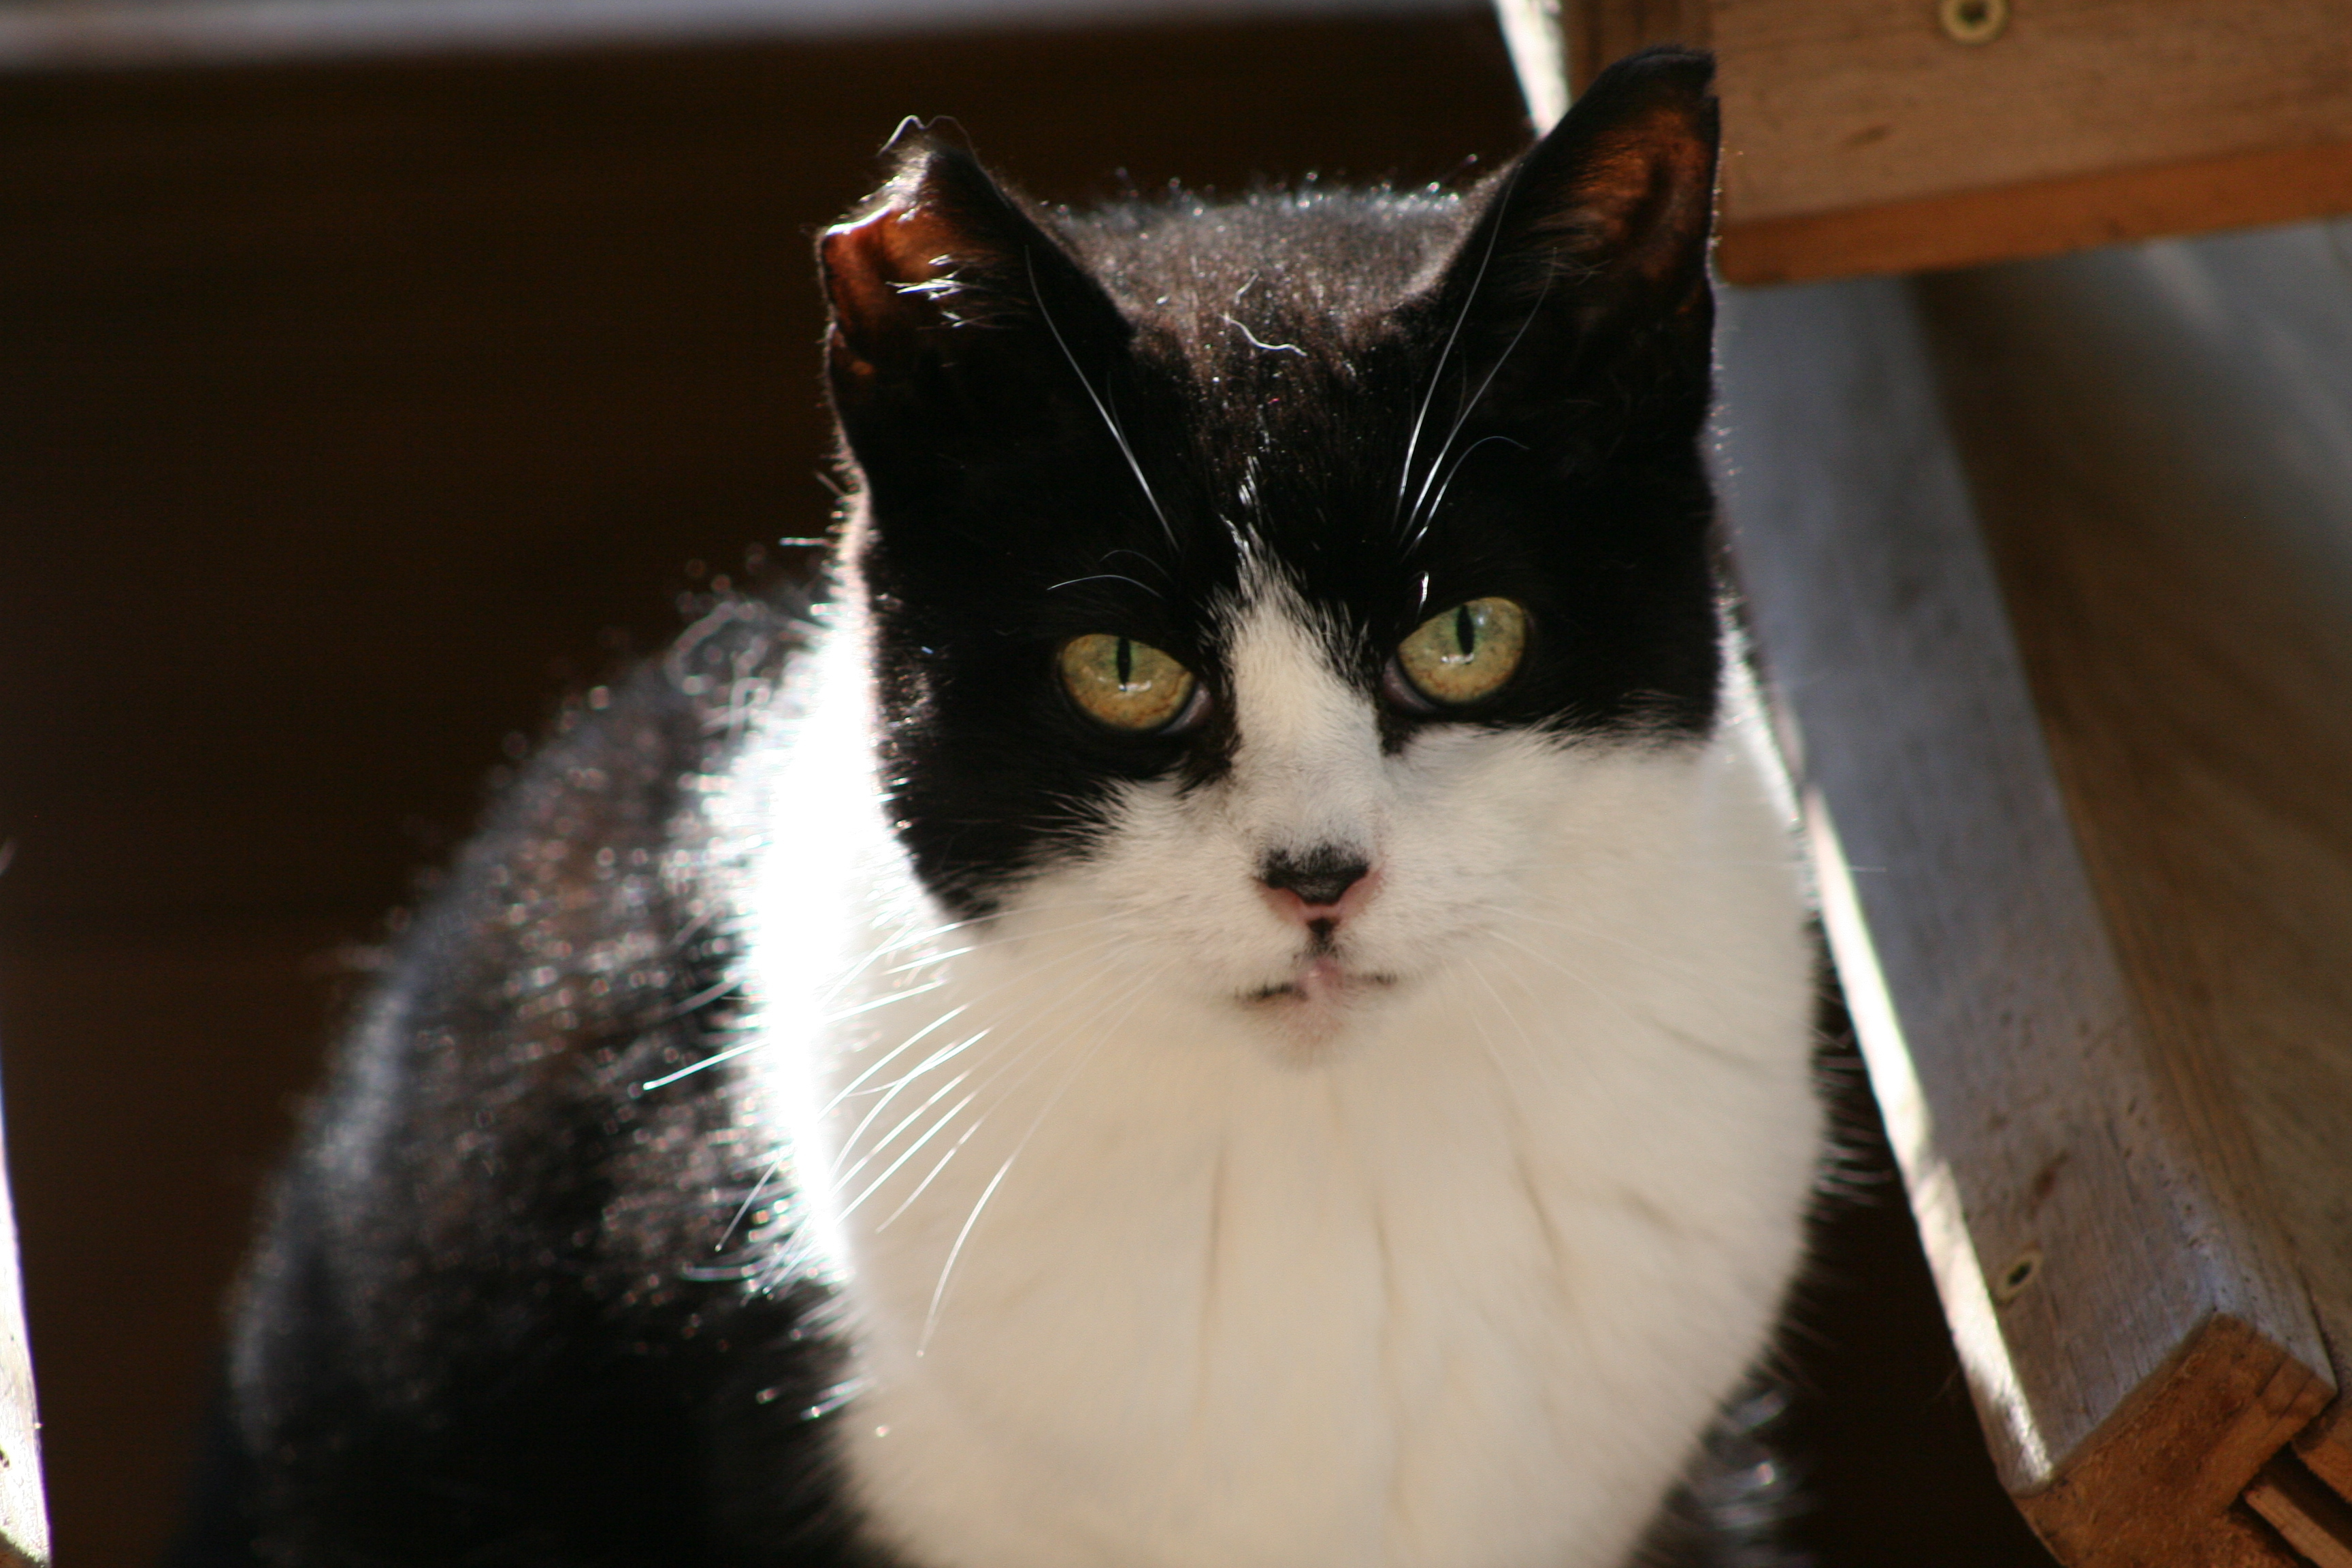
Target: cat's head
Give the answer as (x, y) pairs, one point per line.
(1267, 571)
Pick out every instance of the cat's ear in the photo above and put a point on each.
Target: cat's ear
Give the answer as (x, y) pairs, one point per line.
(1588, 268)
(955, 313)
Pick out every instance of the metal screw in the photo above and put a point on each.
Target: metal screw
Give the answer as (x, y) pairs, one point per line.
(1972, 21)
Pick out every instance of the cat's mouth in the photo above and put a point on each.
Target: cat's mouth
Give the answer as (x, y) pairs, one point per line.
(1321, 982)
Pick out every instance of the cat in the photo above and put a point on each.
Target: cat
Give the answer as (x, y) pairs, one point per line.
(1235, 994)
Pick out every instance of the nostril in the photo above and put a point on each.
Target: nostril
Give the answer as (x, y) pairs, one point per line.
(1320, 877)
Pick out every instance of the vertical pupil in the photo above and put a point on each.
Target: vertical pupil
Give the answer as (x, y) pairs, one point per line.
(1126, 663)
(1465, 630)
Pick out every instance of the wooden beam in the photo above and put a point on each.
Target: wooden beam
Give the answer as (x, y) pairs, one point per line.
(2128, 1314)
(2042, 217)
(2152, 436)
(1863, 136)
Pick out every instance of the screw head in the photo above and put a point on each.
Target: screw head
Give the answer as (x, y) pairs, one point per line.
(2011, 1281)
(1972, 21)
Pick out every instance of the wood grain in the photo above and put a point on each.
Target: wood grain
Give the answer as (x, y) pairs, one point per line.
(2314, 1520)
(2194, 866)
(2158, 443)
(1834, 104)
(2044, 217)
(1859, 139)
(2325, 1445)
(2156, 1488)
(2036, 1111)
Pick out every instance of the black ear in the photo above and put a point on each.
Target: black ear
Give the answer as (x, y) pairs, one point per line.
(1582, 290)
(956, 316)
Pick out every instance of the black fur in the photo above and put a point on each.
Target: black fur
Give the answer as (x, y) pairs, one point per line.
(1268, 363)
(508, 1310)
(496, 1318)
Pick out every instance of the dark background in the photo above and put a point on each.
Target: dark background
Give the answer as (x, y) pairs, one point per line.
(349, 415)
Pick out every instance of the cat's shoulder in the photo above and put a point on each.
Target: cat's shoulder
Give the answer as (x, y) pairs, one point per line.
(504, 1288)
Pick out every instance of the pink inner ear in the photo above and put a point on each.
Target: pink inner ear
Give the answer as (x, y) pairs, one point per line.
(867, 263)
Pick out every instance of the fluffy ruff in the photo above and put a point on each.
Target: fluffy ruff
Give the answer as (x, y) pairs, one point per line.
(1168, 1234)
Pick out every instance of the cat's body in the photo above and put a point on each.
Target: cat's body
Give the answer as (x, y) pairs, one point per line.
(1355, 1112)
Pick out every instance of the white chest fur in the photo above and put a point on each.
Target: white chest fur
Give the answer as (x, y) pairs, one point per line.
(1141, 1277)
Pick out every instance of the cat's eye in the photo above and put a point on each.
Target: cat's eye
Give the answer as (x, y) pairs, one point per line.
(1125, 684)
(1466, 653)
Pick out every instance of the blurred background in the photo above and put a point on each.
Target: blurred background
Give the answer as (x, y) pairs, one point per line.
(375, 373)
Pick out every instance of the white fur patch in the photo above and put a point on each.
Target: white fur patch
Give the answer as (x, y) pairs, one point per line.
(1445, 1267)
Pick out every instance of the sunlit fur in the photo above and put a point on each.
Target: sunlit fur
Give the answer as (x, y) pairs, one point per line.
(1447, 1266)
(851, 1109)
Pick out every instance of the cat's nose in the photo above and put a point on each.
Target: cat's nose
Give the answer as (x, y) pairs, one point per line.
(1318, 882)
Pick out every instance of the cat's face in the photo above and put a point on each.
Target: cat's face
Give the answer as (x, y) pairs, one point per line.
(1262, 577)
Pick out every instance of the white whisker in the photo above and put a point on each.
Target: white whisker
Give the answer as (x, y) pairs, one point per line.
(912, 1150)
(1102, 409)
(947, 1271)
(1437, 373)
(1463, 417)
(846, 1177)
(950, 1015)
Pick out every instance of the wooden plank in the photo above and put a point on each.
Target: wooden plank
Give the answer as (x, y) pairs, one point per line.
(1534, 32)
(2242, 1541)
(2046, 218)
(2314, 1520)
(1862, 138)
(2114, 1285)
(2158, 443)
(2156, 1486)
(1834, 104)
(2325, 1445)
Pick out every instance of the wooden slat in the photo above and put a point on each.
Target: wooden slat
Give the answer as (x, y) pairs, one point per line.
(2157, 442)
(2156, 1485)
(1861, 139)
(1844, 104)
(2127, 1314)
(2044, 218)
(2325, 1445)
(2314, 1520)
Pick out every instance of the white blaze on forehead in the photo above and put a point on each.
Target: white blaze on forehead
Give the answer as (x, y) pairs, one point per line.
(1306, 760)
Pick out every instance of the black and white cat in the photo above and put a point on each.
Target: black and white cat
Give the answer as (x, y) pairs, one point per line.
(1244, 1002)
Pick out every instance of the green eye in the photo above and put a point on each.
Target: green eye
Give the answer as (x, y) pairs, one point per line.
(1125, 684)
(1466, 653)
